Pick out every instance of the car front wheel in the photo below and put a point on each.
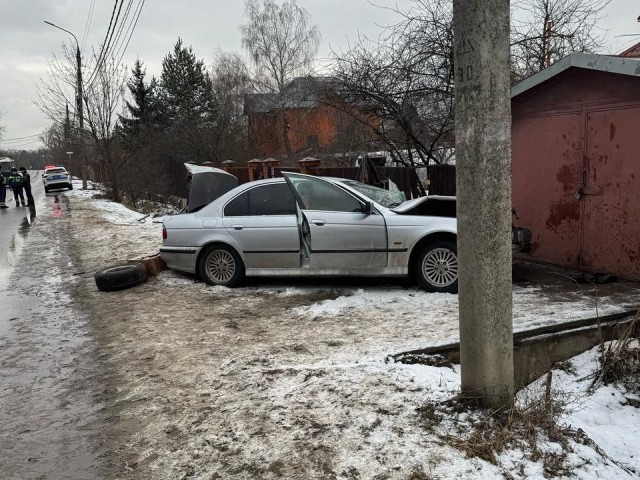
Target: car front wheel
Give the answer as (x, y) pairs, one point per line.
(437, 267)
(221, 265)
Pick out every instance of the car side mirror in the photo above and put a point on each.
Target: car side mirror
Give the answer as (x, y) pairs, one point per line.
(368, 208)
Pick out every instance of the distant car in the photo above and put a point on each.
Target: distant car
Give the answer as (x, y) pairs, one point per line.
(302, 225)
(56, 178)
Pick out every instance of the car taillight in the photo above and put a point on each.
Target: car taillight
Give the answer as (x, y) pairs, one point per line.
(164, 232)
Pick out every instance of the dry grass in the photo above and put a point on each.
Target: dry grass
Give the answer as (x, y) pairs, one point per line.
(522, 427)
(536, 420)
(620, 361)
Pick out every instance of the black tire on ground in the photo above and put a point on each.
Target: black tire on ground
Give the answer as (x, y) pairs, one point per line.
(121, 276)
(436, 267)
(70, 187)
(221, 265)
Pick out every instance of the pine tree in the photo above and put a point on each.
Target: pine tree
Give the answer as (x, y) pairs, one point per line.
(142, 110)
(185, 86)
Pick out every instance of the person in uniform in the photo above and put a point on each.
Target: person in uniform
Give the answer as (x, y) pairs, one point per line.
(3, 189)
(26, 184)
(15, 182)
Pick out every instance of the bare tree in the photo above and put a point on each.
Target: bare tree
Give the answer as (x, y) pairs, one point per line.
(282, 45)
(55, 139)
(57, 92)
(406, 79)
(544, 31)
(103, 99)
(230, 83)
(57, 101)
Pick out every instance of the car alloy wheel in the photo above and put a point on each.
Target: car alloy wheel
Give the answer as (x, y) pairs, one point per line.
(437, 267)
(440, 267)
(221, 265)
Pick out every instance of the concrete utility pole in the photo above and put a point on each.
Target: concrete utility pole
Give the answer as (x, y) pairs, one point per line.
(78, 75)
(79, 108)
(483, 162)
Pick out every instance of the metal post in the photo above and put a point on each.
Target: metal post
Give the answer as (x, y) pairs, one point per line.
(483, 159)
(79, 87)
(79, 93)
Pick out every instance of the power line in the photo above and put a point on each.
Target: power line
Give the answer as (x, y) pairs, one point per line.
(104, 44)
(122, 48)
(115, 24)
(88, 26)
(141, 4)
(20, 145)
(20, 138)
(122, 24)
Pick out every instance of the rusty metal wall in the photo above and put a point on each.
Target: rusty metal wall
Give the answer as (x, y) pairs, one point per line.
(546, 173)
(576, 171)
(612, 192)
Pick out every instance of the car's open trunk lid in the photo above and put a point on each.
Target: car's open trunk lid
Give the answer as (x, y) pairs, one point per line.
(434, 206)
(207, 184)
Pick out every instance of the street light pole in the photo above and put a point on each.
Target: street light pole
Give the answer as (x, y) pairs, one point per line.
(78, 94)
(78, 75)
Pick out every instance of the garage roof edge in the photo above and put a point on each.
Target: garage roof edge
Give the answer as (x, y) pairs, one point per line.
(602, 63)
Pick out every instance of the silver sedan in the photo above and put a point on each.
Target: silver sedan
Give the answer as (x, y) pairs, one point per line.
(302, 225)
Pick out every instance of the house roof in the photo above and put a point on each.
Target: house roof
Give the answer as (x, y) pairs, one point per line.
(587, 61)
(301, 92)
(633, 51)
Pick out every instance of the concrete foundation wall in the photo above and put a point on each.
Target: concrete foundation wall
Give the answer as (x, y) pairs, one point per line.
(536, 351)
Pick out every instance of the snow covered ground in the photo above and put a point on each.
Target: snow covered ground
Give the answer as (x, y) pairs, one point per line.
(287, 378)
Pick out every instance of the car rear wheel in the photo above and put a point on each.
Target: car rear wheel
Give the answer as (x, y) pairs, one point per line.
(437, 267)
(221, 265)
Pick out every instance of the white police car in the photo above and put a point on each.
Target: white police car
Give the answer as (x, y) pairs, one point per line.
(56, 177)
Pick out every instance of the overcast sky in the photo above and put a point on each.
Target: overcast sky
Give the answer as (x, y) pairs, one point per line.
(26, 43)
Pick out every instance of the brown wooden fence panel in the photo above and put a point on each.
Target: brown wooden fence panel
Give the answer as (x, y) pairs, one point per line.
(339, 172)
(442, 180)
(242, 174)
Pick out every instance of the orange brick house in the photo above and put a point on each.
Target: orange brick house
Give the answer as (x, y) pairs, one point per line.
(319, 120)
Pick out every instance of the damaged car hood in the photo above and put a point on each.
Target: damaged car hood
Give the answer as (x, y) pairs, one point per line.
(434, 205)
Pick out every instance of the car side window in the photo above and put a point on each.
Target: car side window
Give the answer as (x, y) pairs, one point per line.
(272, 199)
(321, 195)
(238, 207)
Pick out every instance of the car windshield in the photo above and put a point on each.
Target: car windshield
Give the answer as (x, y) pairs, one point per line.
(386, 198)
(55, 170)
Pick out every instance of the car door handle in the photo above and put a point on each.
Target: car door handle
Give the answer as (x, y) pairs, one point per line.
(237, 226)
(318, 222)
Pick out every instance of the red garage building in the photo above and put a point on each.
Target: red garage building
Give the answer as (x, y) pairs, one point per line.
(576, 163)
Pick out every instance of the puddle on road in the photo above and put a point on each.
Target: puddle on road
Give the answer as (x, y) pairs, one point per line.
(49, 380)
(19, 239)
(57, 205)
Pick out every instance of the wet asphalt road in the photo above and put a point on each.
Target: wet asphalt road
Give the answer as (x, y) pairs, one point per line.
(49, 380)
(15, 221)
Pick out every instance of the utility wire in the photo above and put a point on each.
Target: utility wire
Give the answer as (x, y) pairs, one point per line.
(110, 46)
(104, 44)
(115, 24)
(20, 145)
(19, 138)
(122, 24)
(141, 4)
(88, 26)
